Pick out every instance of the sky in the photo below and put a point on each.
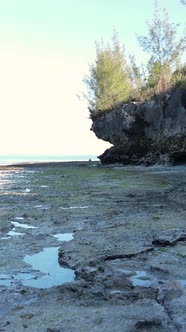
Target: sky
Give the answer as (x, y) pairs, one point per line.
(46, 47)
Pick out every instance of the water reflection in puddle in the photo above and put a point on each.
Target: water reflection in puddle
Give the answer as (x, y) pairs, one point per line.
(13, 233)
(64, 237)
(17, 224)
(182, 283)
(47, 271)
(46, 261)
(5, 279)
(41, 207)
(141, 279)
(8, 280)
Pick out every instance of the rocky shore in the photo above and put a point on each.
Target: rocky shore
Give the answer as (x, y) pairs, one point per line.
(147, 133)
(118, 234)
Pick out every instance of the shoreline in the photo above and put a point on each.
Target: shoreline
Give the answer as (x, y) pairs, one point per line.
(91, 163)
(48, 164)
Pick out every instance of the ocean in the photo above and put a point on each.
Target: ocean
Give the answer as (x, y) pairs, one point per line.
(14, 159)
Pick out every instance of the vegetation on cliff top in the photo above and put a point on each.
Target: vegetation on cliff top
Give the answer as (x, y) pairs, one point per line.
(108, 83)
(112, 80)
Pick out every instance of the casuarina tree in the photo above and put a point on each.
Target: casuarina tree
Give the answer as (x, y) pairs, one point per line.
(108, 82)
(164, 48)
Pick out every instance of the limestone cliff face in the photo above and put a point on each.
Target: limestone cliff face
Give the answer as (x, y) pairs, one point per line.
(145, 133)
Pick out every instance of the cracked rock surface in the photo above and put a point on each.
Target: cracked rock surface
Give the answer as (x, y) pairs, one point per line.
(127, 252)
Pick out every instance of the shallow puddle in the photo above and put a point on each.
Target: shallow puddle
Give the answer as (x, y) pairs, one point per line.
(46, 262)
(141, 279)
(73, 207)
(41, 207)
(64, 237)
(8, 280)
(182, 283)
(17, 224)
(5, 279)
(13, 233)
(46, 271)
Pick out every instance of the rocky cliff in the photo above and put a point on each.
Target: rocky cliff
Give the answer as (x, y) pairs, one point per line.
(152, 132)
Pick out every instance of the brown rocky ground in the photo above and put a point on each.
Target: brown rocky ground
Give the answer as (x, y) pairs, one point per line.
(128, 251)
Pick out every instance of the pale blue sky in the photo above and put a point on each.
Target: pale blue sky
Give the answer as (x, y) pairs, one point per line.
(45, 49)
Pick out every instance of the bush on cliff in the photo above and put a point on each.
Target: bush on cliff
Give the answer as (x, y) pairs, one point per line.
(179, 77)
(112, 82)
(108, 82)
(162, 72)
(164, 48)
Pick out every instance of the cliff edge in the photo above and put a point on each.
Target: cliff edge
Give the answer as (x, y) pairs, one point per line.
(152, 132)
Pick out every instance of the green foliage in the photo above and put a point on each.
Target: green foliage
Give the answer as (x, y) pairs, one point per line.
(108, 82)
(164, 49)
(160, 77)
(179, 77)
(161, 41)
(111, 81)
(135, 73)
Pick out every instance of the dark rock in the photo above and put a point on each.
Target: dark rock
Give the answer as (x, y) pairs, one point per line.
(87, 273)
(151, 325)
(169, 237)
(152, 132)
(169, 291)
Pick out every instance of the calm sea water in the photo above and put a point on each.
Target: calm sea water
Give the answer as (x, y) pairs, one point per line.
(13, 159)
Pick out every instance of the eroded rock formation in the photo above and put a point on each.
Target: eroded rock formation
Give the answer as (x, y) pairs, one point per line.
(152, 132)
